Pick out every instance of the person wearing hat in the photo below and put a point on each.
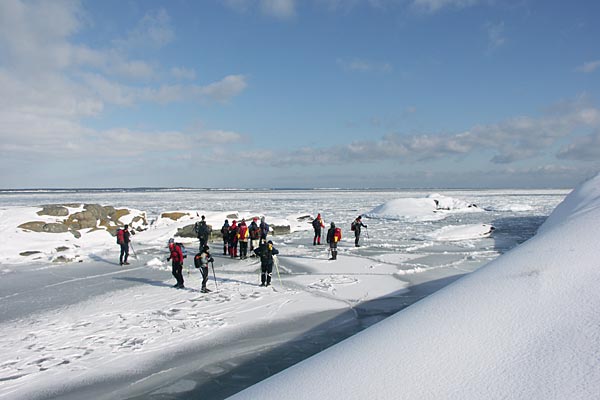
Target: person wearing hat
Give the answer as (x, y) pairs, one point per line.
(243, 235)
(334, 235)
(266, 251)
(225, 234)
(202, 231)
(254, 230)
(356, 226)
(176, 259)
(234, 235)
(201, 261)
(264, 228)
(317, 225)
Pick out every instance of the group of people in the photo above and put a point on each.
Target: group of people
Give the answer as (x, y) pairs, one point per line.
(243, 235)
(254, 234)
(334, 234)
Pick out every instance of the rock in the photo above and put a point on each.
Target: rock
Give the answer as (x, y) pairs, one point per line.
(40, 226)
(75, 233)
(61, 259)
(34, 226)
(95, 210)
(118, 214)
(29, 253)
(281, 229)
(54, 211)
(55, 228)
(173, 215)
(61, 248)
(186, 232)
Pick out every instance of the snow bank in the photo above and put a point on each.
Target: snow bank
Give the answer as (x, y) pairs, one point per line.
(431, 208)
(524, 326)
(461, 232)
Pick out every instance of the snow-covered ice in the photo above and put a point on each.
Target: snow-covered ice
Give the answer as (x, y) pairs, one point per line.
(524, 326)
(91, 328)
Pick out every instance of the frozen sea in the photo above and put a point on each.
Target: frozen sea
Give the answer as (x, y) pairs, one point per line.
(422, 261)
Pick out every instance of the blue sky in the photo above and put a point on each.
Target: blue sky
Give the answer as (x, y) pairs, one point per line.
(290, 93)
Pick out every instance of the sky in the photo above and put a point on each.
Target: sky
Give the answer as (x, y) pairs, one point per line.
(302, 94)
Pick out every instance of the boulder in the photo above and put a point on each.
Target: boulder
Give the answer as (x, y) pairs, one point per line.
(29, 253)
(280, 229)
(34, 226)
(173, 215)
(54, 210)
(186, 232)
(40, 226)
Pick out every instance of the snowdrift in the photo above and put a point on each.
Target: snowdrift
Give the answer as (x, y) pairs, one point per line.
(523, 326)
(431, 208)
(453, 233)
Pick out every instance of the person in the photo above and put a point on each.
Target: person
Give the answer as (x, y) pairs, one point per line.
(203, 231)
(123, 239)
(243, 239)
(201, 261)
(266, 251)
(176, 259)
(254, 234)
(233, 239)
(317, 225)
(334, 235)
(264, 229)
(356, 226)
(225, 234)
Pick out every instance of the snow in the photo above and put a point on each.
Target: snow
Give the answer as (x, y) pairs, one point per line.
(461, 232)
(143, 337)
(430, 208)
(523, 326)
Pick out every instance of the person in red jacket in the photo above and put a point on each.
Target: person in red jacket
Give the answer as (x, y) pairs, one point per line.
(176, 259)
(233, 239)
(244, 234)
(317, 225)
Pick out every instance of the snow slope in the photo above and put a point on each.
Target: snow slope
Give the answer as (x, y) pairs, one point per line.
(524, 326)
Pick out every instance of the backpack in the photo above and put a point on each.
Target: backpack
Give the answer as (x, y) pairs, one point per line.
(337, 233)
(198, 260)
(316, 223)
(120, 236)
(183, 249)
(353, 226)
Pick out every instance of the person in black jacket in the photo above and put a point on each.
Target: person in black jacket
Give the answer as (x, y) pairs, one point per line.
(356, 226)
(225, 234)
(266, 251)
(203, 231)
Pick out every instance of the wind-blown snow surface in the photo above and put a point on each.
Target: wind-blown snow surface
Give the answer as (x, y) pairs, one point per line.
(111, 340)
(525, 326)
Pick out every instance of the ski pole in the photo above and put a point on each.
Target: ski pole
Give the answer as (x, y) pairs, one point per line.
(212, 263)
(276, 262)
(132, 249)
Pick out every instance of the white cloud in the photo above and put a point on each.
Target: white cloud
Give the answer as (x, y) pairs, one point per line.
(584, 148)
(516, 139)
(153, 30)
(589, 66)
(436, 5)
(278, 8)
(183, 73)
(218, 137)
(225, 89)
(281, 9)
